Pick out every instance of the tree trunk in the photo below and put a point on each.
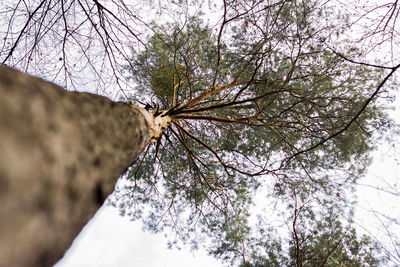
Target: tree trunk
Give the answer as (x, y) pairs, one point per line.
(61, 153)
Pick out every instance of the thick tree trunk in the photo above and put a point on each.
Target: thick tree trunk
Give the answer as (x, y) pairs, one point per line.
(60, 155)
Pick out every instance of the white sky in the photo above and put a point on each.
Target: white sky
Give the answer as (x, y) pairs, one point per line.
(112, 240)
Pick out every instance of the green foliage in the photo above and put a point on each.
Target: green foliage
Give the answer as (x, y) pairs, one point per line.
(175, 57)
(163, 80)
(318, 236)
(328, 243)
(289, 109)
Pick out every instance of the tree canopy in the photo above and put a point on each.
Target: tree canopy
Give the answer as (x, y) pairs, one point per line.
(273, 98)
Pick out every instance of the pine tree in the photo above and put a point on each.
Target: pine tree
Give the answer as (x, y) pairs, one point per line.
(273, 98)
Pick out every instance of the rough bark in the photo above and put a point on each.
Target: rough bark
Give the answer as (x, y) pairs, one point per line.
(61, 153)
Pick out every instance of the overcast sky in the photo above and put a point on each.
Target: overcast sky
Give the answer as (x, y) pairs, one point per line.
(111, 240)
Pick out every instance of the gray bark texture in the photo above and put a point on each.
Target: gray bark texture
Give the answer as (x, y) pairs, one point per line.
(61, 154)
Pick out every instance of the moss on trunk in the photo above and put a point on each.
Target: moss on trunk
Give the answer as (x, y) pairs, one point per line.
(61, 153)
